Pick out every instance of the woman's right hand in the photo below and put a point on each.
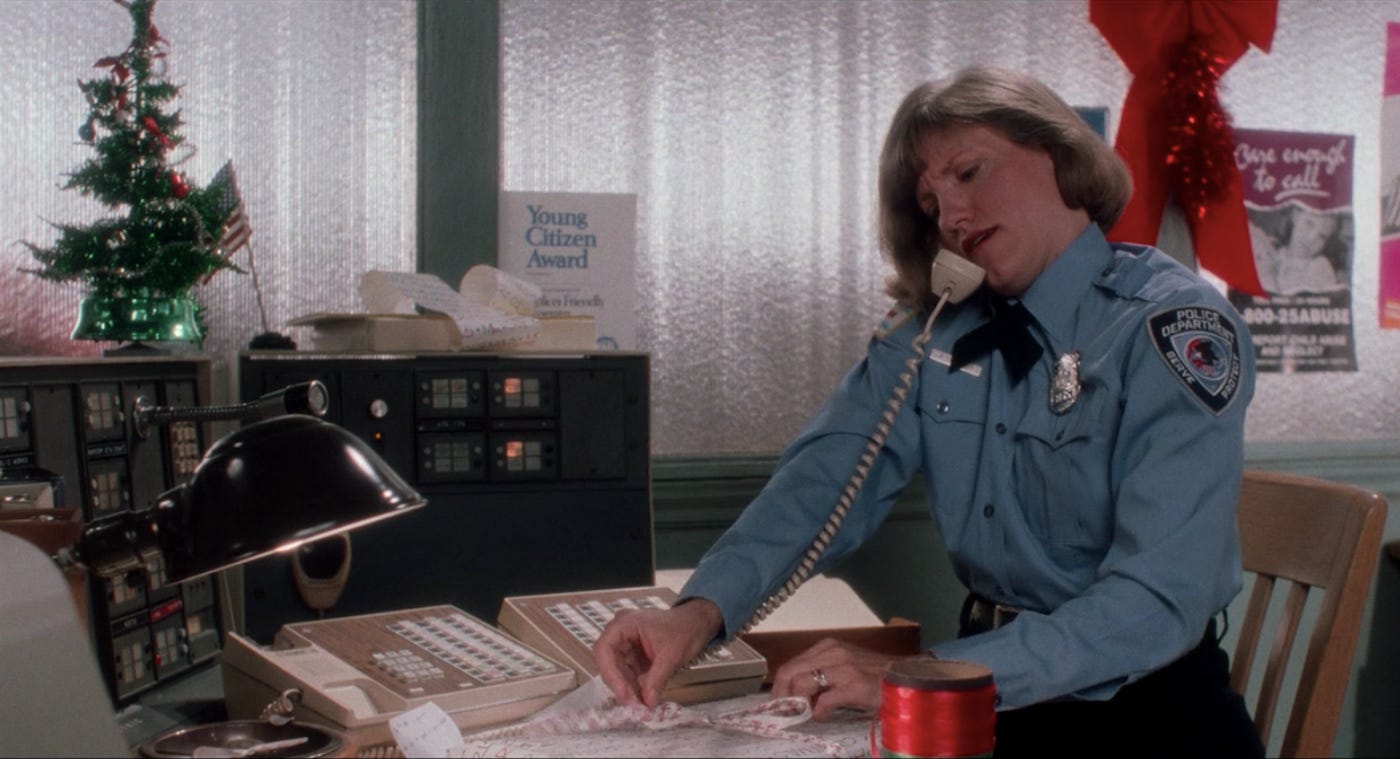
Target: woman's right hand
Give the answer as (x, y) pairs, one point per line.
(639, 650)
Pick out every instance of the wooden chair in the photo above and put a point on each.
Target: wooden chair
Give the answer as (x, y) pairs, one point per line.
(1300, 534)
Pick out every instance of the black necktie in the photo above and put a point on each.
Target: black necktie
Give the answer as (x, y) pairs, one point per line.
(1007, 332)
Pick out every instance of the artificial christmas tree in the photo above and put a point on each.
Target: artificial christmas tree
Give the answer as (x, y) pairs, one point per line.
(139, 268)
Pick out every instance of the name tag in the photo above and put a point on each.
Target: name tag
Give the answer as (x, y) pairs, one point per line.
(946, 359)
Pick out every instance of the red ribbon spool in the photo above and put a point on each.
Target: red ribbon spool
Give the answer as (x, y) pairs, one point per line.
(935, 708)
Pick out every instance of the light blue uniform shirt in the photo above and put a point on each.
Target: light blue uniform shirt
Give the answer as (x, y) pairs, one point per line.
(1112, 524)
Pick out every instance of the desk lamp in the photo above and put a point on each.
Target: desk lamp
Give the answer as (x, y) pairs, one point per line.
(268, 486)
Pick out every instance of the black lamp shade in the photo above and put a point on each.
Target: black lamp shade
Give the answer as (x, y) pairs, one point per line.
(270, 486)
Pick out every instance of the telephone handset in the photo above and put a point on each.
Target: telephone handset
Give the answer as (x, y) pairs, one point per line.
(953, 278)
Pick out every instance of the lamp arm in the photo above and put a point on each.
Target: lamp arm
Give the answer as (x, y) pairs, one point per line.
(307, 398)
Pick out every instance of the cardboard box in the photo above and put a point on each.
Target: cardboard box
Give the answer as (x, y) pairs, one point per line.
(564, 333)
(898, 637)
(824, 607)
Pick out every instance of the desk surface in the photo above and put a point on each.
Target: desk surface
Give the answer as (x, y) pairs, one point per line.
(195, 699)
(198, 697)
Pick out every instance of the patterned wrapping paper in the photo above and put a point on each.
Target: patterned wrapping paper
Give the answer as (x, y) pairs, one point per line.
(588, 722)
(747, 726)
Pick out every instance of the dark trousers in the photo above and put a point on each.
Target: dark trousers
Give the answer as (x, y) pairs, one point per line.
(1184, 709)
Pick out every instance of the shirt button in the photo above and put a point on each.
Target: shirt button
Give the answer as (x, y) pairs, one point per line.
(942, 407)
(989, 510)
(1001, 428)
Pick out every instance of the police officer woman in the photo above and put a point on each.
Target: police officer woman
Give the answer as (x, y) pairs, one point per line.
(1084, 480)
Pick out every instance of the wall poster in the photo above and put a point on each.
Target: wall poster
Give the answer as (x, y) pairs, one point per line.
(1390, 183)
(1297, 193)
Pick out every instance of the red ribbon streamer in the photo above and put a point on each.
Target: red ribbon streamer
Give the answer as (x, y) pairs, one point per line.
(119, 69)
(1151, 37)
(154, 128)
(936, 722)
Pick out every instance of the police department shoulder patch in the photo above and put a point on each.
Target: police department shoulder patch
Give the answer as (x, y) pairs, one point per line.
(894, 319)
(1202, 348)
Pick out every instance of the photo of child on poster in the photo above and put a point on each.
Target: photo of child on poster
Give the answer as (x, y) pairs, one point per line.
(1297, 189)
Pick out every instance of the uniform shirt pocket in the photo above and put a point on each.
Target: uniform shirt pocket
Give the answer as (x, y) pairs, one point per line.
(952, 416)
(1060, 464)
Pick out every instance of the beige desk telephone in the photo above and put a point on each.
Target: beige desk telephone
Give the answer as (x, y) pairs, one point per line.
(356, 673)
(565, 626)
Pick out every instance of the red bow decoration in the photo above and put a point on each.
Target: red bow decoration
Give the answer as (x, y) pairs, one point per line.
(1173, 134)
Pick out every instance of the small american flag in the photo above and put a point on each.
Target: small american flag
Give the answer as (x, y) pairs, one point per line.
(237, 231)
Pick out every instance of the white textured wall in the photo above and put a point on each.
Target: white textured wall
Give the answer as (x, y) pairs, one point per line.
(748, 130)
(750, 133)
(315, 101)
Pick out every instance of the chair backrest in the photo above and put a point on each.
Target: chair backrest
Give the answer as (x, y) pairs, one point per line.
(1300, 534)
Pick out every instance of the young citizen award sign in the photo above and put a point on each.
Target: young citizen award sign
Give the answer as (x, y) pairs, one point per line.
(579, 249)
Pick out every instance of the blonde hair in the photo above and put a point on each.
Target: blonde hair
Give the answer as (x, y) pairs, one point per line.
(1089, 173)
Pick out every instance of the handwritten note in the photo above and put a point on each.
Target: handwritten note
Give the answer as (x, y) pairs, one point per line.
(426, 731)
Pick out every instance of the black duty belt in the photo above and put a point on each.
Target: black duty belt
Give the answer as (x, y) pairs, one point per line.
(981, 615)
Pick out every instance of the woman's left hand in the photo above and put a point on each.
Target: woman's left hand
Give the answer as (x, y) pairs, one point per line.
(833, 674)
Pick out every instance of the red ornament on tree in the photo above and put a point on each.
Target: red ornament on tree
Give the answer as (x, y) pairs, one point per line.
(178, 185)
(151, 126)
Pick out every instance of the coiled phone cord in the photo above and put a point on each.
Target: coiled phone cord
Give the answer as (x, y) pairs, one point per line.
(853, 485)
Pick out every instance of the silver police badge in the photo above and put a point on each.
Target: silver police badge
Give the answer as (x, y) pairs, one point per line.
(1064, 382)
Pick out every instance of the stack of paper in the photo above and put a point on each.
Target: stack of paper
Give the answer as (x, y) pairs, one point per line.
(407, 311)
